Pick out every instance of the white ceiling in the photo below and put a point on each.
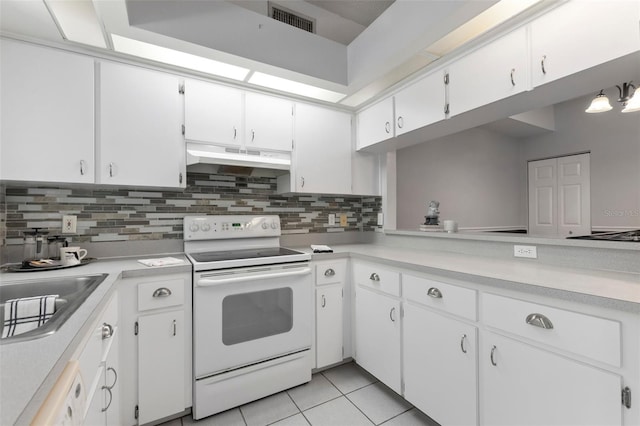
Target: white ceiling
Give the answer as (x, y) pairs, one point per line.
(380, 41)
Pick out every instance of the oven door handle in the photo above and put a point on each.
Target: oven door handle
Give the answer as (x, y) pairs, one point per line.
(206, 282)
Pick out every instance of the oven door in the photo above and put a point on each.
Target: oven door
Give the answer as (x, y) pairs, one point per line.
(248, 315)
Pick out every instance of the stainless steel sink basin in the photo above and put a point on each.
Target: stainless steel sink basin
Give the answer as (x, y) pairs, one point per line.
(71, 291)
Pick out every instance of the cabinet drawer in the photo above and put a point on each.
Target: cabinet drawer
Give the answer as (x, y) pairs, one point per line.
(446, 297)
(160, 294)
(331, 272)
(379, 278)
(585, 335)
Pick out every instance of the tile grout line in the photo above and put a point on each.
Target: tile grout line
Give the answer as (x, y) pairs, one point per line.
(397, 415)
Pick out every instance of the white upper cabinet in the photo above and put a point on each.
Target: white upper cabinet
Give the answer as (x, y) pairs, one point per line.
(420, 104)
(375, 124)
(140, 138)
(599, 32)
(268, 122)
(322, 154)
(490, 73)
(212, 113)
(47, 114)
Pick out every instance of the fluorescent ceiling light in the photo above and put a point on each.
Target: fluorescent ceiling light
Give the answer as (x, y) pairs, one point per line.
(177, 58)
(285, 85)
(77, 21)
(493, 16)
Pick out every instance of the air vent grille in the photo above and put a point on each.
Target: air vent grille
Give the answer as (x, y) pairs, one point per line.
(292, 19)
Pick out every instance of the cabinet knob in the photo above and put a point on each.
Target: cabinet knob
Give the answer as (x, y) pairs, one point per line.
(435, 293)
(107, 331)
(539, 320)
(493, 351)
(162, 292)
(542, 64)
(329, 273)
(374, 277)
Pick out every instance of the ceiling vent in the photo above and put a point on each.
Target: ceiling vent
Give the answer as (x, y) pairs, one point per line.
(280, 14)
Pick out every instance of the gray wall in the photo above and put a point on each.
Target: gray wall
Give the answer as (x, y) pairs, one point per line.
(477, 175)
(614, 141)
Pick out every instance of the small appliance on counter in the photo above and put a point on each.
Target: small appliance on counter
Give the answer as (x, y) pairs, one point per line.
(42, 253)
(35, 245)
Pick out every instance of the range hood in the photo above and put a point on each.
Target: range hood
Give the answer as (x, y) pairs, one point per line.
(229, 156)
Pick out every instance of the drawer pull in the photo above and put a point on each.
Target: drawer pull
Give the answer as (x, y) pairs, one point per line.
(162, 292)
(329, 273)
(464, 337)
(435, 293)
(107, 331)
(539, 320)
(493, 361)
(374, 277)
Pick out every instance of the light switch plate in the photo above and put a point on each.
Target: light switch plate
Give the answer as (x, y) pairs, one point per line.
(69, 224)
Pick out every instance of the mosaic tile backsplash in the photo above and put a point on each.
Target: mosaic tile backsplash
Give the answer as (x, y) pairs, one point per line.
(118, 214)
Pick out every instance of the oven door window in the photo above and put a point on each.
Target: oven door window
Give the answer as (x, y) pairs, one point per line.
(252, 316)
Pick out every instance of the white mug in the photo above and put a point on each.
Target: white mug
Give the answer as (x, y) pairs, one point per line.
(450, 226)
(72, 255)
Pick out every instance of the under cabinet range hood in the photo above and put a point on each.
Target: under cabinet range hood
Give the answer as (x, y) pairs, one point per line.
(230, 156)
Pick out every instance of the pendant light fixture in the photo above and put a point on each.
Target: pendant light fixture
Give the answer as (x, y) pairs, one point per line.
(629, 98)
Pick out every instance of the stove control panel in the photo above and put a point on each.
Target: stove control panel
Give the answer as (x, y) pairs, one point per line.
(217, 227)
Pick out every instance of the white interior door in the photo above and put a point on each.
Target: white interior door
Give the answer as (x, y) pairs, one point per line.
(560, 196)
(543, 187)
(574, 195)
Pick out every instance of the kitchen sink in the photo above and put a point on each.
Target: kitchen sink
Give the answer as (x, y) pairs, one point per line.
(71, 291)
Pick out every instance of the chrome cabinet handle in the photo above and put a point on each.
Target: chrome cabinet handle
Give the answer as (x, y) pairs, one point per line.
(539, 320)
(329, 273)
(374, 277)
(235, 132)
(400, 122)
(110, 398)
(175, 329)
(493, 361)
(542, 63)
(387, 127)
(162, 292)
(392, 316)
(253, 135)
(513, 70)
(110, 169)
(435, 293)
(115, 377)
(302, 181)
(82, 167)
(446, 109)
(324, 301)
(107, 331)
(464, 337)
(180, 177)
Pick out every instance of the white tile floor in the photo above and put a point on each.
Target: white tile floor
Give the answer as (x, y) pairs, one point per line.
(342, 396)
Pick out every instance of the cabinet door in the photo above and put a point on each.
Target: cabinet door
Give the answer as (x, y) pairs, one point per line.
(440, 360)
(523, 385)
(493, 72)
(112, 383)
(96, 400)
(420, 104)
(322, 150)
(378, 336)
(600, 31)
(47, 114)
(212, 113)
(328, 325)
(268, 122)
(160, 365)
(140, 140)
(375, 124)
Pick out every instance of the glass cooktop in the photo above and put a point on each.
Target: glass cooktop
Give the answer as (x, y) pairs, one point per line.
(219, 256)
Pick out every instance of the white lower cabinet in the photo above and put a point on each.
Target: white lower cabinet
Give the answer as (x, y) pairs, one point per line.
(156, 347)
(523, 385)
(440, 366)
(378, 336)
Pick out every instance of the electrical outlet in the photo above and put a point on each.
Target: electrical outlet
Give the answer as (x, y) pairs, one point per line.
(343, 220)
(332, 219)
(530, 252)
(69, 224)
